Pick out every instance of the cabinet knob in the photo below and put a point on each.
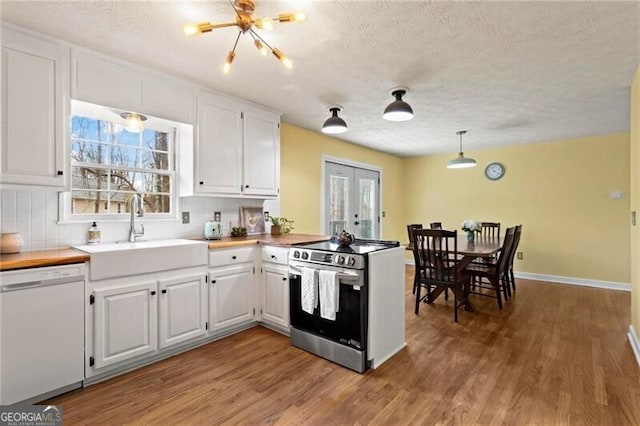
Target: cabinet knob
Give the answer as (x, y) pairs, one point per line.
(233, 257)
(201, 182)
(60, 173)
(284, 278)
(164, 291)
(213, 281)
(246, 186)
(273, 256)
(153, 293)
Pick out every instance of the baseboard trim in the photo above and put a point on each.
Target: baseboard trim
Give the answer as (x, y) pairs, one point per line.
(610, 285)
(635, 344)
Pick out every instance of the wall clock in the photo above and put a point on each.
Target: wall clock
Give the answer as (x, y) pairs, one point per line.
(494, 171)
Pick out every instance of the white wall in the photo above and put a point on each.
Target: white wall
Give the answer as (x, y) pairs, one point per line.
(34, 214)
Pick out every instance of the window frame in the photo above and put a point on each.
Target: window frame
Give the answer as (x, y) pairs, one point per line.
(98, 112)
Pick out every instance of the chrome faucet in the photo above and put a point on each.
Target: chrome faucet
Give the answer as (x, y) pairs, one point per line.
(136, 200)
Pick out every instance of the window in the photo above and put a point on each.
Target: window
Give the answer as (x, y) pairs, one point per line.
(109, 164)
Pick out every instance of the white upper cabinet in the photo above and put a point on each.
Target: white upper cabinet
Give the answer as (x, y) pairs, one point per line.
(219, 146)
(119, 85)
(261, 153)
(237, 149)
(35, 105)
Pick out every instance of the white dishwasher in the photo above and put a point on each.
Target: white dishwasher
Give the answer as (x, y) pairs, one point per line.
(41, 332)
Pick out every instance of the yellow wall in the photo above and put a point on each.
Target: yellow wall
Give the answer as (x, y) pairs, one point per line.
(300, 186)
(635, 201)
(559, 191)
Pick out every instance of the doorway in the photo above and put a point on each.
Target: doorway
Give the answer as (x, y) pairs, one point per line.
(351, 200)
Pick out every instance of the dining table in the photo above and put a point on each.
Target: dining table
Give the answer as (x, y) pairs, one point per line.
(480, 247)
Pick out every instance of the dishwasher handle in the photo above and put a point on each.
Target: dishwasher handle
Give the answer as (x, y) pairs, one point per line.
(41, 283)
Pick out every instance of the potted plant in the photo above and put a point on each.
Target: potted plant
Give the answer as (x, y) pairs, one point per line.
(280, 225)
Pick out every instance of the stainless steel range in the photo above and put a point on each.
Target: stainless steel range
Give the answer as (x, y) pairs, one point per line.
(346, 339)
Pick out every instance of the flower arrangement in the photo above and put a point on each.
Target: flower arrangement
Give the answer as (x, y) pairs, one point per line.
(471, 226)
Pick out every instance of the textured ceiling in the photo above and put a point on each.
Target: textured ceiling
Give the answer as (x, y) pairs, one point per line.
(509, 72)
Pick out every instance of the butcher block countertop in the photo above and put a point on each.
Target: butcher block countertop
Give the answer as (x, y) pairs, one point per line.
(39, 258)
(285, 240)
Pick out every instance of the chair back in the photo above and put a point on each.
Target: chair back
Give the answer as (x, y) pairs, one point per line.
(507, 249)
(490, 229)
(410, 229)
(436, 254)
(435, 225)
(516, 242)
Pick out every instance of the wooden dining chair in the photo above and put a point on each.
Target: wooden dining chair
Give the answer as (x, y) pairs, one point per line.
(490, 229)
(494, 273)
(438, 266)
(435, 225)
(511, 279)
(410, 229)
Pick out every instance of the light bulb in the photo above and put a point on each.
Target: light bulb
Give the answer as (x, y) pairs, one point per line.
(261, 47)
(227, 65)
(292, 17)
(265, 24)
(191, 29)
(285, 61)
(300, 16)
(133, 122)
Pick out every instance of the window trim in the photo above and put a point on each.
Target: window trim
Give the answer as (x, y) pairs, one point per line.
(181, 133)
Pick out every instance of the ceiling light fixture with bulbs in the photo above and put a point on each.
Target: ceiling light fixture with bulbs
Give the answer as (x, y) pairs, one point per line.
(133, 121)
(246, 22)
(461, 162)
(334, 124)
(398, 110)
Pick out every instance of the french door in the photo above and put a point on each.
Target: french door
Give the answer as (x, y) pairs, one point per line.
(352, 200)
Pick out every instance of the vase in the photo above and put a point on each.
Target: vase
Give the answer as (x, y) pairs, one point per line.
(275, 230)
(11, 243)
(471, 236)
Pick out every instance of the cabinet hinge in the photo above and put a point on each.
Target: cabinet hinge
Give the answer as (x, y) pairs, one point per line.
(278, 125)
(92, 300)
(254, 270)
(91, 361)
(242, 115)
(206, 278)
(206, 325)
(254, 311)
(378, 219)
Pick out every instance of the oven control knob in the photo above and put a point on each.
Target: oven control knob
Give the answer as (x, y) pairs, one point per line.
(351, 261)
(296, 254)
(305, 255)
(340, 260)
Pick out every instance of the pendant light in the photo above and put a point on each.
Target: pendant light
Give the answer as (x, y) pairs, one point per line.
(334, 124)
(461, 162)
(398, 110)
(133, 121)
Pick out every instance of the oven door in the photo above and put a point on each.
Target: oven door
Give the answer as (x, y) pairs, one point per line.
(350, 325)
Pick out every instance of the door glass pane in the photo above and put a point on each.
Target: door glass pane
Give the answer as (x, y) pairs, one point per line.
(338, 203)
(367, 207)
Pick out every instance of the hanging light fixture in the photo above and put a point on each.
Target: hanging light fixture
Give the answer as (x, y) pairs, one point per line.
(398, 110)
(133, 121)
(461, 162)
(246, 23)
(334, 124)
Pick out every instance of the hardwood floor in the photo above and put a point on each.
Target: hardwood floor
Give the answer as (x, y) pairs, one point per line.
(557, 354)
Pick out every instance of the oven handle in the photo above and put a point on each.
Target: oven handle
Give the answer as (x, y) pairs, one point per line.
(341, 275)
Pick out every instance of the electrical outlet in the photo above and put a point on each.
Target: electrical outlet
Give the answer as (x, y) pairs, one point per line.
(519, 254)
(217, 216)
(186, 217)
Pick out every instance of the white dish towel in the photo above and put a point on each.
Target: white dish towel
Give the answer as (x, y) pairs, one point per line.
(329, 294)
(309, 288)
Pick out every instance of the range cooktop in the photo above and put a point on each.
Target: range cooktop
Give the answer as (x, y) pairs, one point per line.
(358, 247)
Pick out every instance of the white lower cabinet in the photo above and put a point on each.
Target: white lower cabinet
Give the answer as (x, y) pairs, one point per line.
(125, 322)
(183, 309)
(231, 300)
(275, 301)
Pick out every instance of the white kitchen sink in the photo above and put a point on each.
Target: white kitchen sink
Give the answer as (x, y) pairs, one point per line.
(111, 260)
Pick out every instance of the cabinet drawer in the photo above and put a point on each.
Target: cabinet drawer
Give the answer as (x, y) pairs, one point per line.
(223, 257)
(277, 255)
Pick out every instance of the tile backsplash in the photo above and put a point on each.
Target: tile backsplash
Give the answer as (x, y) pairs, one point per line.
(34, 214)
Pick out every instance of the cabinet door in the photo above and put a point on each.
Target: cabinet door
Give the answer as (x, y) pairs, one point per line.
(183, 309)
(104, 82)
(275, 304)
(125, 323)
(230, 296)
(34, 110)
(261, 170)
(167, 98)
(219, 146)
